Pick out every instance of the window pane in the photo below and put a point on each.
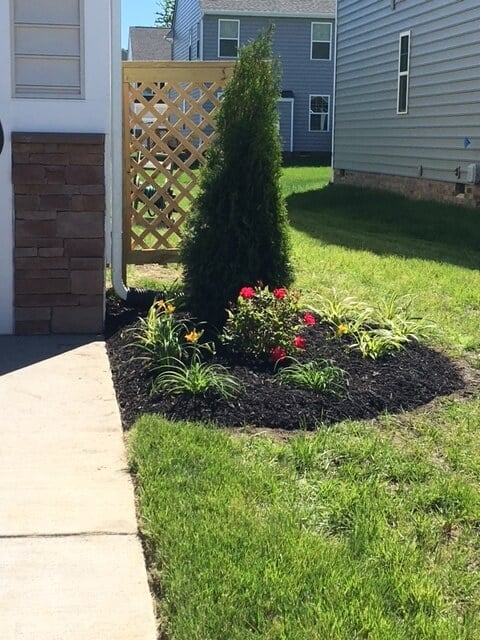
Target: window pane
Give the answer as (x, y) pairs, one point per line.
(228, 48)
(321, 31)
(404, 53)
(402, 94)
(228, 29)
(319, 122)
(319, 104)
(320, 50)
(47, 11)
(47, 41)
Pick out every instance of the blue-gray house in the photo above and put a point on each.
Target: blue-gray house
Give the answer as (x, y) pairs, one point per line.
(408, 97)
(303, 40)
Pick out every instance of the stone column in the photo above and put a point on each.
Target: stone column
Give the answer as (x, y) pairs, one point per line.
(59, 189)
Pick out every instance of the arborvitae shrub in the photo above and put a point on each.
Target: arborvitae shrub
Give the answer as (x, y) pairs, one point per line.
(237, 234)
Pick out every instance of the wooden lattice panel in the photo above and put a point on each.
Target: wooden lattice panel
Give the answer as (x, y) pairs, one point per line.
(169, 110)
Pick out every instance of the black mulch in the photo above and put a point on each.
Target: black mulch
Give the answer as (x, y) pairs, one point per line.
(411, 379)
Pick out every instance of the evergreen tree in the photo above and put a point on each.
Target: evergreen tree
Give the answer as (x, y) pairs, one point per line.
(237, 234)
(164, 17)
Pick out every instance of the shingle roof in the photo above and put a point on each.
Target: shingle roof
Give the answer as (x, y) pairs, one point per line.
(149, 43)
(271, 7)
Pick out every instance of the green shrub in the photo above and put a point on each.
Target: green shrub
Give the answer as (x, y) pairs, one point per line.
(264, 324)
(237, 233)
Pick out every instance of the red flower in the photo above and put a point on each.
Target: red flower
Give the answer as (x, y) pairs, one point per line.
(247, 293)
(279, 293)
(299, 342)
(277, 353)
(309, 319)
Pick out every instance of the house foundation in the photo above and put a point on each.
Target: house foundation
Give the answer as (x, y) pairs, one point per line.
(59, 211)
(416, 188)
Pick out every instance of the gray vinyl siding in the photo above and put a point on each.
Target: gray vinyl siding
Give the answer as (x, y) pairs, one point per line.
(444, 88)
(300, 74)
(187, 16)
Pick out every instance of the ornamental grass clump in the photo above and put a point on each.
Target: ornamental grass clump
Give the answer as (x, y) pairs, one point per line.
(164, 340)
(237, 231)
(265, 324)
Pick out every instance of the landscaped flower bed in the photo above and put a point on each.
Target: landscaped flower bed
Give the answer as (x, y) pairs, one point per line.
(349, 361)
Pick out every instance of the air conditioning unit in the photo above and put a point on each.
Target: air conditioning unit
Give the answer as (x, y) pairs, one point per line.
(473, 173)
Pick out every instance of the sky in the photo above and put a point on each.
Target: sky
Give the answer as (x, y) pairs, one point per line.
(137, 13)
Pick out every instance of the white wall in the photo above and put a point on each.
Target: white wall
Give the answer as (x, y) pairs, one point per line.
(89, 115)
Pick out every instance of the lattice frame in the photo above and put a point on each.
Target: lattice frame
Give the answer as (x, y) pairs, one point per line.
(169, 110)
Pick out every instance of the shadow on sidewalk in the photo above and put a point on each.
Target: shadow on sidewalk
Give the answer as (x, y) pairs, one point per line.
(18, 352)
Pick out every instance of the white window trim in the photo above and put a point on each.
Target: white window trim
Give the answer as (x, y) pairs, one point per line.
(62, 93)
(403, 73)
(237, 39)
(312, 113)
(329, 42)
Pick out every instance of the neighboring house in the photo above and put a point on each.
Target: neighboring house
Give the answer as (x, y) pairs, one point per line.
(55, 165)
(303, 40)
(407, 97)
(149, 43)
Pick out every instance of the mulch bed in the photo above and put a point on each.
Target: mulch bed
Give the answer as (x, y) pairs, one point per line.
(408, 380)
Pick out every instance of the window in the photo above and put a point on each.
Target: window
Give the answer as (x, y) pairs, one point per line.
(321, 41)
(403, 72)
(48, 48)
(228, 31)
(198, 41)
(319, 113)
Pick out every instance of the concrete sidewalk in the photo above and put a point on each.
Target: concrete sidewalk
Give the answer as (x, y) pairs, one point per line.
(71, 564)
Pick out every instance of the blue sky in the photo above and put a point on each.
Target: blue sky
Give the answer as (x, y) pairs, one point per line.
(137, 13)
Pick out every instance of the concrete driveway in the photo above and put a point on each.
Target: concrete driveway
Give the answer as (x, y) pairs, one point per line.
(71, 563)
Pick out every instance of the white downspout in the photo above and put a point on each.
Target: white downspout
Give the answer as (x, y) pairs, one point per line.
(116, 149)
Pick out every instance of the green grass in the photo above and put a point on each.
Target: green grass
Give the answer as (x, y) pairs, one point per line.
(346, 534)
(366, 530)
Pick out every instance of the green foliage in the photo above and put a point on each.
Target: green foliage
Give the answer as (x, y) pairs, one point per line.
(237, 232)
(321, 377)
(164, 17)
(374, 331)
(261, 322)
(165, 340)
(196, 378)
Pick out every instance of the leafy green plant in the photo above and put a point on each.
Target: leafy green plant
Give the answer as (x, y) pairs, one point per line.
(264, 323)
(318, 376)
(164, 339)
(196, 378)
(374, 331)
(240, 215)
(337, 310)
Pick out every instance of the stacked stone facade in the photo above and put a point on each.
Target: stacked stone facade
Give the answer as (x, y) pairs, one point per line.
(59, 191)
(416, 188)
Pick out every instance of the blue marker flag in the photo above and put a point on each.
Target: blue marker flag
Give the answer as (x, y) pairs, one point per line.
(466, 143)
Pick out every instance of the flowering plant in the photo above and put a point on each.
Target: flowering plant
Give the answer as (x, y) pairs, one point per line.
(265, 324)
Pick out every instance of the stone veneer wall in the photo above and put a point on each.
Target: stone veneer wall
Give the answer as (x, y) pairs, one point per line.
(416, 188)
(59, 189)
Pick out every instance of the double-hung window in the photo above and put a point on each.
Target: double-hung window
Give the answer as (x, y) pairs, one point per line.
(48, 48)
(228, 38)
(319, 113)
(403, 72)
(321, 41)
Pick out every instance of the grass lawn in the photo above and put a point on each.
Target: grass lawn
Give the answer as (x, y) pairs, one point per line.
(366, 530)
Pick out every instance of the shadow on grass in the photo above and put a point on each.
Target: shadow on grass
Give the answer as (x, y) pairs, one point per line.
(388, 224)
